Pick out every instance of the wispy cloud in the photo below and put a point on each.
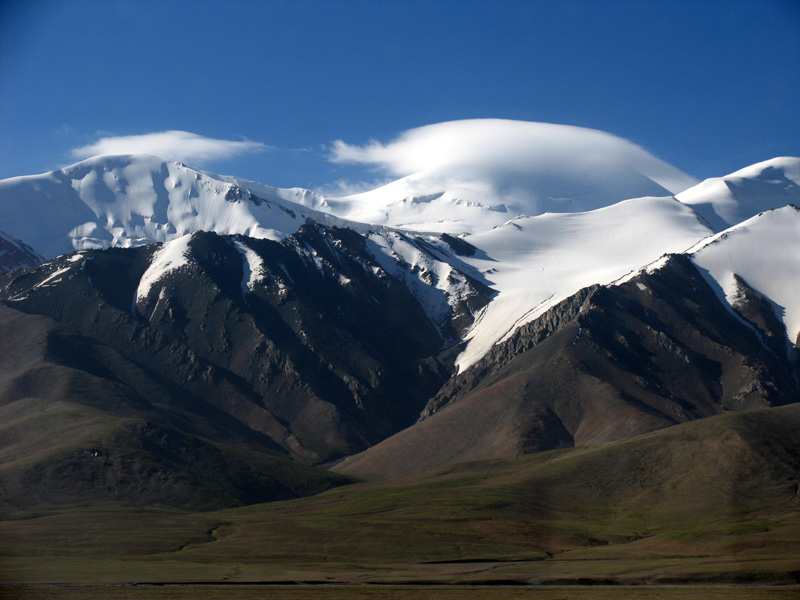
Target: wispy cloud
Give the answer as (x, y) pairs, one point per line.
(345, 187)
(64, 130)
(171, 145)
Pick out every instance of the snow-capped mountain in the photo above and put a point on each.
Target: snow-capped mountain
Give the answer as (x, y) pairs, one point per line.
(531, 261)
(470, 176)
(309, 340)
(459, 177)
(558, 277)
(762, 253)
(15, 254)
(125, 201)
(729, 200)
(536, 262)
(607, 363)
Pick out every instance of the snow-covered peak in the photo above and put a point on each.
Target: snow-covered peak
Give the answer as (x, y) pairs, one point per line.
(469, 176)
(131, 200)
(764, 251)
(492, 179)
(726, 201)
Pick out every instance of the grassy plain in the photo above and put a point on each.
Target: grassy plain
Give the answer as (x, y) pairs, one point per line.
(713, 502)
(362, 592)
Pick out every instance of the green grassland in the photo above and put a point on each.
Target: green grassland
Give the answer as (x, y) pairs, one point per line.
(710, 502)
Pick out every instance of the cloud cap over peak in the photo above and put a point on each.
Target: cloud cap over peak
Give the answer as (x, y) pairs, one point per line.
(497, 146)
(171, 145)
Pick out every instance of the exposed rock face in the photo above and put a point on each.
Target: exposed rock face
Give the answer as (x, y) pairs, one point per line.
(308, 341)
(81, 424)
(666, 328)
(253, 353)
(605, 364)
(761, 314)
(15, 256)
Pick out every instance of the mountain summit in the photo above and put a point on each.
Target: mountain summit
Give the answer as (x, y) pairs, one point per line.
(125, 201)
(468, 176)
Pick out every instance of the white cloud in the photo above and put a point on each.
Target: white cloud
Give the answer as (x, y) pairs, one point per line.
(170, 145)
(345, 187)
(481, 147)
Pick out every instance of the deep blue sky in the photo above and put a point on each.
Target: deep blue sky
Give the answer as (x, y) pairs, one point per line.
(709, 86)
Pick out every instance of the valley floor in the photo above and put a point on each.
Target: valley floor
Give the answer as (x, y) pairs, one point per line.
(710, 503)
(392, 592)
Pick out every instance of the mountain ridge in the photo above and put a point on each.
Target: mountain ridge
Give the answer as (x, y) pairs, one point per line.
(134, 212)
(320, 339)
(605, 364)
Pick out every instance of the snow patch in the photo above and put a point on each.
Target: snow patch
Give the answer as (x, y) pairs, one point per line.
(252, 267)
(171, 256)
(52, 278)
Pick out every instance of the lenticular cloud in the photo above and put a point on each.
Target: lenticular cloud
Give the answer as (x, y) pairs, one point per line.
(502, 148)
(171, 145)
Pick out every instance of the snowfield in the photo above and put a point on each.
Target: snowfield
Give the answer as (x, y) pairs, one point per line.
(535, 262)
(764, 251)
(726, 201)
(123, 201)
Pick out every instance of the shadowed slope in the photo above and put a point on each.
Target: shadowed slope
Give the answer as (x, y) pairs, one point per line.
(82, 425)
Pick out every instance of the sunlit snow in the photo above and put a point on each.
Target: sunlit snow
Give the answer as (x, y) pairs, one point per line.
(252, 267)
(468, 176)
(124, 201)
(726, 201)
(169, 257)
(536, 262)
(764, 251)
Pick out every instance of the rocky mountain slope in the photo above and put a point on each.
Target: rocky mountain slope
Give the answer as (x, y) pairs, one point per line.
(608, 363)
(308, 341)
(83, 424)
(15, 255)
(162, 309)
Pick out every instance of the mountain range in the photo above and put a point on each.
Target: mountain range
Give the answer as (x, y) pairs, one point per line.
(178, 337)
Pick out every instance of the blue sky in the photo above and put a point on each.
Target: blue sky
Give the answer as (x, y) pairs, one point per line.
(708, 86)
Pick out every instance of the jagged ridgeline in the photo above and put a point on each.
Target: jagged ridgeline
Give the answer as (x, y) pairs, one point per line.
(305, 348)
